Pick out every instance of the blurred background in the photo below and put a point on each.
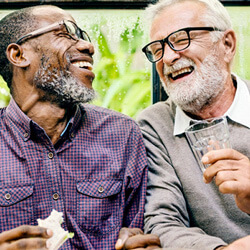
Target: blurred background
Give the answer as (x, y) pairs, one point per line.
(125, 81)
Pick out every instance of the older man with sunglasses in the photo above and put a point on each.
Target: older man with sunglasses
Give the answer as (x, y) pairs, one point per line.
(193, 46)
(56, 151)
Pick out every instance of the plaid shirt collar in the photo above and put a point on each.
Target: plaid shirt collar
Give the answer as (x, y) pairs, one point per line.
(26, 126)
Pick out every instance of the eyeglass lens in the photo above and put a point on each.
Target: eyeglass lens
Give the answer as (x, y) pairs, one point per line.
(74, 30)
(179, 40)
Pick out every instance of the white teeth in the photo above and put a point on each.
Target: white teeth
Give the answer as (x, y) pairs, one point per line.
(83, 64)
(182, 71)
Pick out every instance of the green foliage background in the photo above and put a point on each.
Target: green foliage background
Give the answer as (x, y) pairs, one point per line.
(120, 86)
(123, 75)
(241, 20)
(4, 93)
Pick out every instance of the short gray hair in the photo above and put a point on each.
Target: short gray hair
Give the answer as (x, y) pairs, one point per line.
(216, 14)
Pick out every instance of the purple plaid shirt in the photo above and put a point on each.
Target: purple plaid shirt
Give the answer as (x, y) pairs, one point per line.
(95, 174)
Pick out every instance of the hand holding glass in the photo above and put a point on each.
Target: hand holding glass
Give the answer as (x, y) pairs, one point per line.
(207, 135)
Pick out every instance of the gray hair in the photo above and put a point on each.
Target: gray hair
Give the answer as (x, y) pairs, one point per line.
(216, 14)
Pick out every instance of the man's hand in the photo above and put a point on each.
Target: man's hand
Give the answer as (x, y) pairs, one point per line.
(25, 237)
(133, 238)
(231, 171)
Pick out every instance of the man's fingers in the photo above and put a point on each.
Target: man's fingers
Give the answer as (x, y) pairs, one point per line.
(142, 241)
(26, 243)
(229, 183)
(149, 248)
(223, 166)
(228, 169)
(222, 159)
(124, 234)
(223, 176)
(213, 170)
(221, 154)
(229, 187)
(25, 232)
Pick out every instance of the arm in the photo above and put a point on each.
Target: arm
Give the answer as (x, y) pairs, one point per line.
(166, 211)
(135, 181)
(25, 237)
(231, 171)
(131, 236)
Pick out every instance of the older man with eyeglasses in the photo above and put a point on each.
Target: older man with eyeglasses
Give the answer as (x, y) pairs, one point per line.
(193, 46)
(56, 151)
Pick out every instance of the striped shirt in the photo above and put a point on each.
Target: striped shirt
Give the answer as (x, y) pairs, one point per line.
(95, 174)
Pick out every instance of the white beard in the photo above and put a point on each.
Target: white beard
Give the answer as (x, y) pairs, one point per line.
(198, 91)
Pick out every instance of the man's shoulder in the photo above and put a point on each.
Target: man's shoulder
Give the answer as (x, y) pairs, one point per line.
(97, 113)
(159, 110)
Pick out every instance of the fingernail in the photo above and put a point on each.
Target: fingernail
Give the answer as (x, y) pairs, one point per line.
(49, 232)
(119, 243)
(204, 180)
(204, 159)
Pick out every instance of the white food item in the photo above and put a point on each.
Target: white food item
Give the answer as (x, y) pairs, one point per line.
(54, 222)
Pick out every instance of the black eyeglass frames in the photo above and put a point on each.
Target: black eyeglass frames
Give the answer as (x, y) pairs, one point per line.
(72, 29)
(178, 40)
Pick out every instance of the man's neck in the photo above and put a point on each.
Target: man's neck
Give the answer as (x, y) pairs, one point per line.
(52, 118)
(219, 105)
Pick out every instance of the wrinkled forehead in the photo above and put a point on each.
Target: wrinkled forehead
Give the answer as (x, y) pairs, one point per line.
(51, 14)
(177, 16)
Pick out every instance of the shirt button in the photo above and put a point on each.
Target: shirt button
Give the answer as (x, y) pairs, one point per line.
(55, 196)
(100, 189)
(50, 155)
(72, 135)
(7, 196)
(26, 135)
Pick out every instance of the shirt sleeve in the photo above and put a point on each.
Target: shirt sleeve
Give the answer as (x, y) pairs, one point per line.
(166, 211)
(135, 181)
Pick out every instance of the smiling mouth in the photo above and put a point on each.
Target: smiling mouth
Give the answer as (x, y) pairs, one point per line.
(181, 73)
(83, 65)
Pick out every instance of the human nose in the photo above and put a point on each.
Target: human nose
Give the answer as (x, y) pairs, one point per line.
(170, 56)
(85, 46)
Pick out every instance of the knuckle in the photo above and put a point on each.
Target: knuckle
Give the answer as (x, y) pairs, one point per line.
(4, 246)
(123, 230)
(24, 230)
(41, 230)
(207, 174)
(155, 237)
(22, 244)
(219, 176)
(224, 188)
(221, 165)
(41, 243)
(137, 231)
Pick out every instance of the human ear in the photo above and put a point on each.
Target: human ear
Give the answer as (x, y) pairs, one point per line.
(16, 56)
(229, 42)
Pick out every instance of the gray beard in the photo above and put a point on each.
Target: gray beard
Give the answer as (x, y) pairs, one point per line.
(60, 86)
(199, 91)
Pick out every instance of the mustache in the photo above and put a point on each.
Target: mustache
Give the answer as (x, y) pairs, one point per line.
(180, 64)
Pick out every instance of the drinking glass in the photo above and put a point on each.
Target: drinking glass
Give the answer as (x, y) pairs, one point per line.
(206, 135)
